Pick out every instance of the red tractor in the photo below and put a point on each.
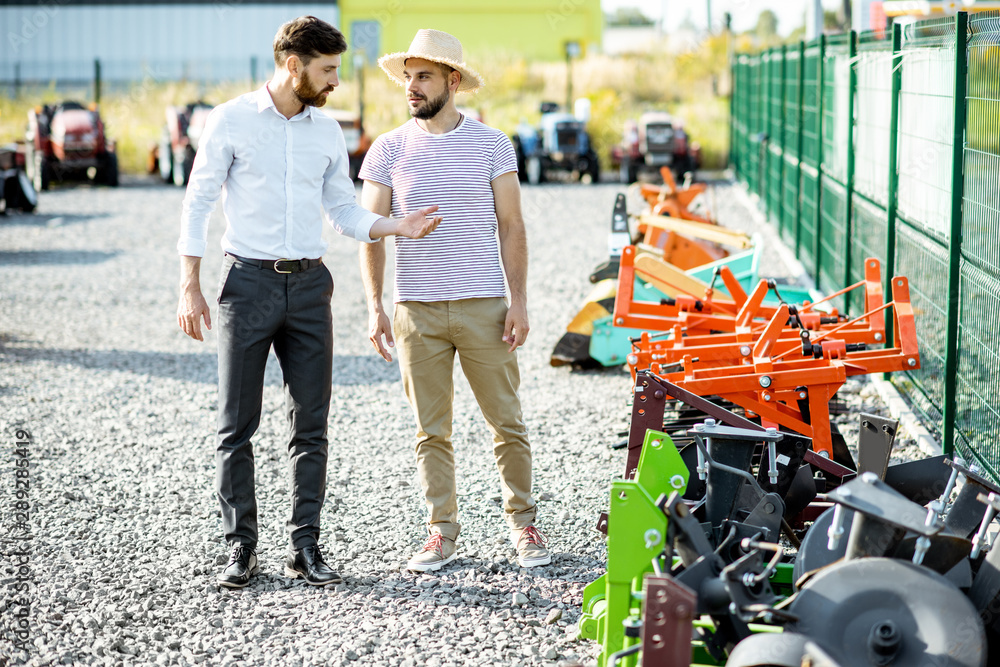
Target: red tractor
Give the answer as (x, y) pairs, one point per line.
(65, 141)
(656, 140)
(179, 141)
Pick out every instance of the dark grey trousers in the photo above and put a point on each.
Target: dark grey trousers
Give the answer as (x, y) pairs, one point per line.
(259, 308)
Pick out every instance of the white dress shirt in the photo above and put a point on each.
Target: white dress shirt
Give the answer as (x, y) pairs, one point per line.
(278, 177)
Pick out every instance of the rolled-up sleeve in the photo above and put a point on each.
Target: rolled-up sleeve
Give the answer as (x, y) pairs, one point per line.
(208, 173)
(339, 201)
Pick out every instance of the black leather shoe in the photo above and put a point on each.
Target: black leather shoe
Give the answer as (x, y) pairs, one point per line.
(241, 566)
(308, 563)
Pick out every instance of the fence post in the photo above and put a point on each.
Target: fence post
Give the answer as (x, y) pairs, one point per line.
(797, 232)
(17, 80)
(955, 238)
(890, 227)
(776, 217)
(763, 63)
(97, 81)
(253, 71)
(817, 238)
(765, 124)
(852, 89)
(732, 117)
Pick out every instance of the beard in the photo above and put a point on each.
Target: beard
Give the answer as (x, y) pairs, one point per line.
(430, 108)
(306, 93)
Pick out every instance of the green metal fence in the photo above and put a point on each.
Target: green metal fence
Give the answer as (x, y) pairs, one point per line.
(888, 146)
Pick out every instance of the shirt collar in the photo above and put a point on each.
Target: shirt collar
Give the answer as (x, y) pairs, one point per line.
(264, 101)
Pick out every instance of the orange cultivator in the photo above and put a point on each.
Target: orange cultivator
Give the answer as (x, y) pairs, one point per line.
(793, 388)
(669, 199)
(806, 328)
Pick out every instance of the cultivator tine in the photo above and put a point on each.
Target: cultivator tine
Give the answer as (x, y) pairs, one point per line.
(966, 512)
(985, 590)
(882, 516)
(920, 481)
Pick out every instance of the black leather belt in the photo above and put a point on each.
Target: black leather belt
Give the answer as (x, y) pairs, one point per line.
(281, 265)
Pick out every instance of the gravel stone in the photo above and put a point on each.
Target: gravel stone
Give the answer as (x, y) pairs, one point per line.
(126, 531)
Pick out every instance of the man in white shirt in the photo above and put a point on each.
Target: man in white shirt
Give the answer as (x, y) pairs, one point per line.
(450, 292)
(281, 167)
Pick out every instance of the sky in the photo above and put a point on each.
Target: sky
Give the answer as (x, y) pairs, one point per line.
(790, 13)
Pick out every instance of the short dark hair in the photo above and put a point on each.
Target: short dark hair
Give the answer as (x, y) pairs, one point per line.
(307, 37)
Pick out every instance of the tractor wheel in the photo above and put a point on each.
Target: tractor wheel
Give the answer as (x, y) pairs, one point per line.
(682, 166)
(107, 172)
(353, 167)
(522, 174)
(625, 171)
(533, 165)
(183, 161)
(20, 193)
(594, 169)
(41, 171)
(165, 157)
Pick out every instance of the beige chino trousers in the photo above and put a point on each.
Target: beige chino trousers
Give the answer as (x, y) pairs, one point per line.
(428, 334)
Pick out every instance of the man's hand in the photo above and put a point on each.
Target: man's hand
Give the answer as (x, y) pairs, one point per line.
(192, 306)
(379, 327)
(419, 223)
(515, 328)
(191, 310)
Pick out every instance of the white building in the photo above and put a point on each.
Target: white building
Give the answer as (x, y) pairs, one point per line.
(59, 40)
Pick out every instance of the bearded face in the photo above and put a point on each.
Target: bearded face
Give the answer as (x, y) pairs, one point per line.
(308, 93)
(424, 108)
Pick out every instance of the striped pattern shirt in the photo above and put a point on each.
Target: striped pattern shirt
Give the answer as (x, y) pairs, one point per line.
(461, 258)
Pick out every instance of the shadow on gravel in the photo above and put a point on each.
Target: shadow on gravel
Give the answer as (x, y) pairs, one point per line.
(195, 367)
(597, 370)
(349, 371)
(55, 257)
(48, 220)
(191, 367)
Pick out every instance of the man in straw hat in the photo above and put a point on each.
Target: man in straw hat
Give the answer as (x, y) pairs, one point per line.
(450, 295)
(283, 169)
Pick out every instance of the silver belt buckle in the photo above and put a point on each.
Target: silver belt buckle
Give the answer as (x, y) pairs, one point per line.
(277, 261)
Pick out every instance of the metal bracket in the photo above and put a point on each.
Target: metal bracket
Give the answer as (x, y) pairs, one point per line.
(875, 440)
(767, 516)
(667, 622)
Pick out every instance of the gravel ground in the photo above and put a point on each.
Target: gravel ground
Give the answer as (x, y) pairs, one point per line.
(125, 537)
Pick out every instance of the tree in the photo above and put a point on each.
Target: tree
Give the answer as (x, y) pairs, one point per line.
(628, 16)
(767, 26)
(833, 21)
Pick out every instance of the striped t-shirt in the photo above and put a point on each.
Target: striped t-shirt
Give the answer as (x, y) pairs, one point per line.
(460, 259)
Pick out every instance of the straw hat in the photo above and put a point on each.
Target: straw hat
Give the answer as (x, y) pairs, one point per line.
(436, 46)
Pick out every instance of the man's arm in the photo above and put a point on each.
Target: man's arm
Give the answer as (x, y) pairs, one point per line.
(363, 225)
(192, 307)
(513, 254)
(416, 225)
(211, 166)
(377, 198)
